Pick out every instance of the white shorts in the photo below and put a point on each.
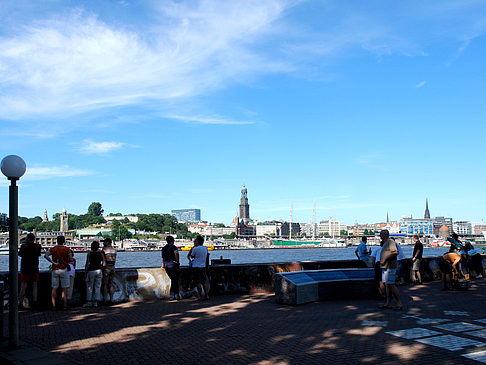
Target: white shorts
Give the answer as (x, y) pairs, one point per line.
(62, 276)
(388, 276)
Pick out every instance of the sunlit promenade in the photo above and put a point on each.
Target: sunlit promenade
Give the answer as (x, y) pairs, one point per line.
(436, 327)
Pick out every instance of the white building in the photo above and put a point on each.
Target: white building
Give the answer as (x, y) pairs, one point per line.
(331, 227)
(270, 229)
(206, 229)
(309, 229)
(131, 218)
(462, 228)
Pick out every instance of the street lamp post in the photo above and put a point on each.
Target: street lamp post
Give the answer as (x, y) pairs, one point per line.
(13, 167)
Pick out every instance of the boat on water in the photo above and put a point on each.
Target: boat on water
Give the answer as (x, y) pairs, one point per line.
(329, 243)
(188, 248)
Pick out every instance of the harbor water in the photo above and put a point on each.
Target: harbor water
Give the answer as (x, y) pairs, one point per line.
(250, 256)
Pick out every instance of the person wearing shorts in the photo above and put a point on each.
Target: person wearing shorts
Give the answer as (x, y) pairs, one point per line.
(418, 250)
(29, 268)
(388, 261)
(199, 257)
(59, 256)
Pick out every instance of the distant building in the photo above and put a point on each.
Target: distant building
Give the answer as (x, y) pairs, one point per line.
(187, 215)
(50, 238)
(331, 228)
(206, 229)
(462, 228)
(479, 228)
(45, 218)
(64, 221)
(442, 221)
(93, 233)
(244, 206)
(444, 231)
(130, 218)
(427, 213)
(309, 229)
(285, 229)
(268, 229)
(411, 226)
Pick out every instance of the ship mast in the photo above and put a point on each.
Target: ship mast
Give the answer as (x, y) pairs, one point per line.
(314, 223)
(290, 229)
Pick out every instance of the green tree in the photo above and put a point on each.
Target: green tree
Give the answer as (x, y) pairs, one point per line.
(343, 232)
(95, 209)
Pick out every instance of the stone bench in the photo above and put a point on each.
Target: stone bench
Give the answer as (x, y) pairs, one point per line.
(309, 286)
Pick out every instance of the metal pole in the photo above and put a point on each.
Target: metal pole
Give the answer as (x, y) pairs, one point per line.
(13, 266)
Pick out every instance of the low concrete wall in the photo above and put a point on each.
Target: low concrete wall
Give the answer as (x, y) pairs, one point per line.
(153, 283)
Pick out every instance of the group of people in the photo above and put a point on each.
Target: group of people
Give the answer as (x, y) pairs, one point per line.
(457, 263)
(198, 258)
(99, 265)
(388, 260)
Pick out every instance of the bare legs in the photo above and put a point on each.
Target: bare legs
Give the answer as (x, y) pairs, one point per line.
(63, 297)
(417, 276)
(392, 292)
(23, 290)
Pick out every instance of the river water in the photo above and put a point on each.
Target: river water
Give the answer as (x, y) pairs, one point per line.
(153, 258)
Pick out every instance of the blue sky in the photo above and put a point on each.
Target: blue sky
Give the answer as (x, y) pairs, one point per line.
(148, 106)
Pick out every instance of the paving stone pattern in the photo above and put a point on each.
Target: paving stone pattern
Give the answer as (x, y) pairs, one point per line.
(255, 330)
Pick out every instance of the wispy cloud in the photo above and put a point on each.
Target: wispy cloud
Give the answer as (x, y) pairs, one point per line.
(76, 63)
(373, 160)
(420, 84)
(50, 172)
(90, 147)
(208, 120)
(71, 61)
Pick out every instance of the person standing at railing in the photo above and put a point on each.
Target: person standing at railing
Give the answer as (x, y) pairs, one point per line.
(109, 253)
(29, 268)
(170, 262)
(95, 261)
(362, 252)
(59, 256)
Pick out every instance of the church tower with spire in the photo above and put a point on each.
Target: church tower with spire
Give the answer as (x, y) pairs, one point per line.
(244, 206)
(427, 213)
(64, 221)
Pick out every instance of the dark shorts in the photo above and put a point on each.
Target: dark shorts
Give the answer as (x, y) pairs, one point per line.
(199, 275)
(27, 278)
(108, 274)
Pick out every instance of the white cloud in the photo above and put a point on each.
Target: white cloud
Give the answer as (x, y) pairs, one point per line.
(74, 61)
(91, 147)
(50, 172)
(420, 84)
(208, 120)
(77, 63)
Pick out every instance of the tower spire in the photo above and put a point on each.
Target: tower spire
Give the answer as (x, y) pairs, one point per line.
(427, 213)
(387, 221)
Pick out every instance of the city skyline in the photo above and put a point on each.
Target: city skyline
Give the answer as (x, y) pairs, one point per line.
(363, 108)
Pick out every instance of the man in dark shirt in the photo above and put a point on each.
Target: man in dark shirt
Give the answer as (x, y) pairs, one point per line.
(29, 268)
(418, 250)
(170, 262)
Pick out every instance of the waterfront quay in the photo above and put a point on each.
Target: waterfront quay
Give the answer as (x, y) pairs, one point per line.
(436, 327)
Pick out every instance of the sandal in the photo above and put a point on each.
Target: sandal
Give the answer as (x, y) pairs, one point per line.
(385, 307)
(397, 308)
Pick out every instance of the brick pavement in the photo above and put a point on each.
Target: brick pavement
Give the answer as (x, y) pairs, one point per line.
(253, 329)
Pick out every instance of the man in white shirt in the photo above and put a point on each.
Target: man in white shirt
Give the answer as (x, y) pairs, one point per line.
(199, 258)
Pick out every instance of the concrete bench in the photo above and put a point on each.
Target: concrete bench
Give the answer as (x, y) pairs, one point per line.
(309, 286)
